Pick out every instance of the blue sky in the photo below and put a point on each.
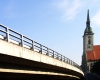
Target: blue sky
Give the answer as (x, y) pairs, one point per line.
(57, 24)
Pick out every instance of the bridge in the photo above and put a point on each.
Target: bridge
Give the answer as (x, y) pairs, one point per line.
(24, 58)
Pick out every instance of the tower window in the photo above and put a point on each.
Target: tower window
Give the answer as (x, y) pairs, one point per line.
(89, 41)
(89, 37)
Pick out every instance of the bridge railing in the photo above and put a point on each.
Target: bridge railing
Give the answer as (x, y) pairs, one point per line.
(12, 36)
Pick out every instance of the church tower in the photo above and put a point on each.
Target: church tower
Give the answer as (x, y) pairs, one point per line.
(87, 43)
(88, 36)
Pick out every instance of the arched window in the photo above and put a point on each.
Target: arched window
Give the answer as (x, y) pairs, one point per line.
(89, 41)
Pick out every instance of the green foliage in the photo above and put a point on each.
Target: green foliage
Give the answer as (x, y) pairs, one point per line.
(96, 68)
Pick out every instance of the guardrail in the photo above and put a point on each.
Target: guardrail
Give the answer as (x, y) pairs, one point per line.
(12, 36)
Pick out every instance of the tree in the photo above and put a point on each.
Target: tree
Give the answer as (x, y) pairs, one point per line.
(96, 68)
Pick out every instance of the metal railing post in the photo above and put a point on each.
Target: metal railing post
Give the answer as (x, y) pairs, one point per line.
(61, 57)
(67, 60)
(47, 52)
(22, 40)
(57, 56)
(64, 58)
(41, 48)
(7, 34)
(53, 54)
(32, 45)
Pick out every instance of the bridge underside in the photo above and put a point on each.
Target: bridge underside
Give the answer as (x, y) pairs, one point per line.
(9, 76)
(18, 68)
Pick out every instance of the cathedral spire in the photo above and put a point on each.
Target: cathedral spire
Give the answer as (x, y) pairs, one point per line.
(88, 18)
(88, 29)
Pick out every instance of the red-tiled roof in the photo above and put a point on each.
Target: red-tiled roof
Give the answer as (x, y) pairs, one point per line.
(94, 54)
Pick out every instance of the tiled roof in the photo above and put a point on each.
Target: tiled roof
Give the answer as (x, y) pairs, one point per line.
(94, 54)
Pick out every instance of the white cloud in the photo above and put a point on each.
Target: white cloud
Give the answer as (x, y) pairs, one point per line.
(69, 8)
(96, 19)
(73, 10)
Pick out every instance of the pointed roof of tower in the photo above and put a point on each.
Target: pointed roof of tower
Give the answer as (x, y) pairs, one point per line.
(88, 18)
(88, 29)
